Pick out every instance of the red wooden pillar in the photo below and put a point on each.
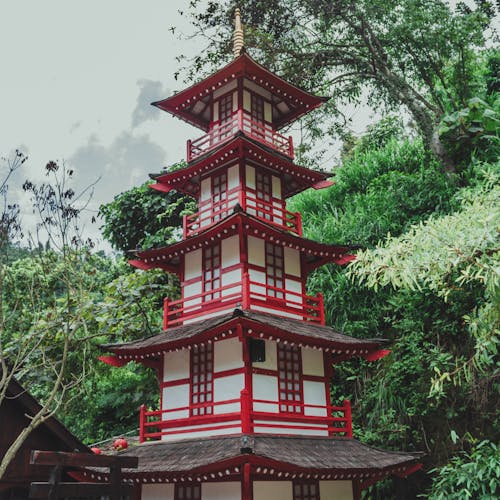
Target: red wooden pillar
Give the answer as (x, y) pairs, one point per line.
(246, 412)
(142, 420)
(247, 489)
(348, 418)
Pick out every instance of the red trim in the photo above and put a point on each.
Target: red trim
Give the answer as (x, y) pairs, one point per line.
(113, 360)
(297, 99)
(410, 470)
(375, 355)
(187, 180)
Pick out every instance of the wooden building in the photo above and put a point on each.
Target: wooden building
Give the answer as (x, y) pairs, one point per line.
(15, 410)
(245, 359)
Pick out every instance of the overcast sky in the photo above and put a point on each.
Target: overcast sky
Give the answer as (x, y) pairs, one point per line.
(76, 85)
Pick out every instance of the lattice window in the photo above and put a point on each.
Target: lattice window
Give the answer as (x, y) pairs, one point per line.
(211, 281)
(225, 113)
(290, 384)
(305, 490)
(257, 108)
(219, 196)
(263, 185)
(202, 368)
(274, 270)
(187, 492)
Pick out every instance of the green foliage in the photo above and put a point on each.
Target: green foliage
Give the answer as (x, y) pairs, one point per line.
(143, 217)
(411, 54)
(470, 475)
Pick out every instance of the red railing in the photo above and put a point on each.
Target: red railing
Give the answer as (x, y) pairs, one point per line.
(250, 127)
(276, 215)
(248, 295)
(337, 420)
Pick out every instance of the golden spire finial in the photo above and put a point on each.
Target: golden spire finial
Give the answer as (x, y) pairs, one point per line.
(238, 43)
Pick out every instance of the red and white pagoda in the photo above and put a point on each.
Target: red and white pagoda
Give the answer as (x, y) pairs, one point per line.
(245, 359)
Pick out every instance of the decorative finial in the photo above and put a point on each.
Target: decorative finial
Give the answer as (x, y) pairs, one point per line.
(238, 42)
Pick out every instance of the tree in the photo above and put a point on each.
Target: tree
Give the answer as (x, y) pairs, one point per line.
(142, 217)
(401, 53)
(41, 327)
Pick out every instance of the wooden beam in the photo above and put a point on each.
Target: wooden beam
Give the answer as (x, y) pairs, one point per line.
(66, 459)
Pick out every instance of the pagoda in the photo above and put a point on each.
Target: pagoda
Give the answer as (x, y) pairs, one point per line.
(244, 361)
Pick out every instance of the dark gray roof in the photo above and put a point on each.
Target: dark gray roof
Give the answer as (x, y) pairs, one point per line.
(303, 330)
(302, 452)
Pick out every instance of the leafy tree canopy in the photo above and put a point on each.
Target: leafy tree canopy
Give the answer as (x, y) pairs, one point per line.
(418, 54)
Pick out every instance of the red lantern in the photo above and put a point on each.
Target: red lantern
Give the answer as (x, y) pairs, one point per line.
(96, 450)
(120, 444)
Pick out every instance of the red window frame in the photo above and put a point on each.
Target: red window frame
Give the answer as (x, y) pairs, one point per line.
(264, 192)
(275, 270)
(211, 273)
(202, 380)
(225, 113)
(306, 490)
(219, 195)
(187, 492)
(257, 108)
(291, 396)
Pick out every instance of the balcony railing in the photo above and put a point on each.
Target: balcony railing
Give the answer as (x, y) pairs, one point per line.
(269, 212)
(239, 121)
(336, 420)
(248, 295)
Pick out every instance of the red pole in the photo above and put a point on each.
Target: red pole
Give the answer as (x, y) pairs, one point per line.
(165, 313)
(245, 303)
(290, 146)
(188, 152)
(321, 306)
(184, 225)
(246, 418)
(142, 418)
(247, 493)
(348, 418)
(298, 218)
(240, 120)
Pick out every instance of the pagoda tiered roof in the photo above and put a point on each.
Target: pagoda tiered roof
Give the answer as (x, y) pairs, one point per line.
(193, 103)
(255, 325)
(315, 254)
(295, 177)
(270, 457)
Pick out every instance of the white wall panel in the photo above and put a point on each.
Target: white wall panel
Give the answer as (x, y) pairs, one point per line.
(276, 187)
(194, 432)
(228, 354)
(268, 112)
(205, 189)
(294, 299)
(176, 365)
(312, 362)
(230, 251)
(292, 262)
(256, 254)
(233, 177)
(225, 88)
(335, 490)
(256, 88)
(192, 264)
(277, 490)
(314, 394)
(265, 387)
(314, 430)
(271, 362)
(228, 388)
(221, 491)
(247, 106)
(175, 397)
(250, 176)
(157, 492)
